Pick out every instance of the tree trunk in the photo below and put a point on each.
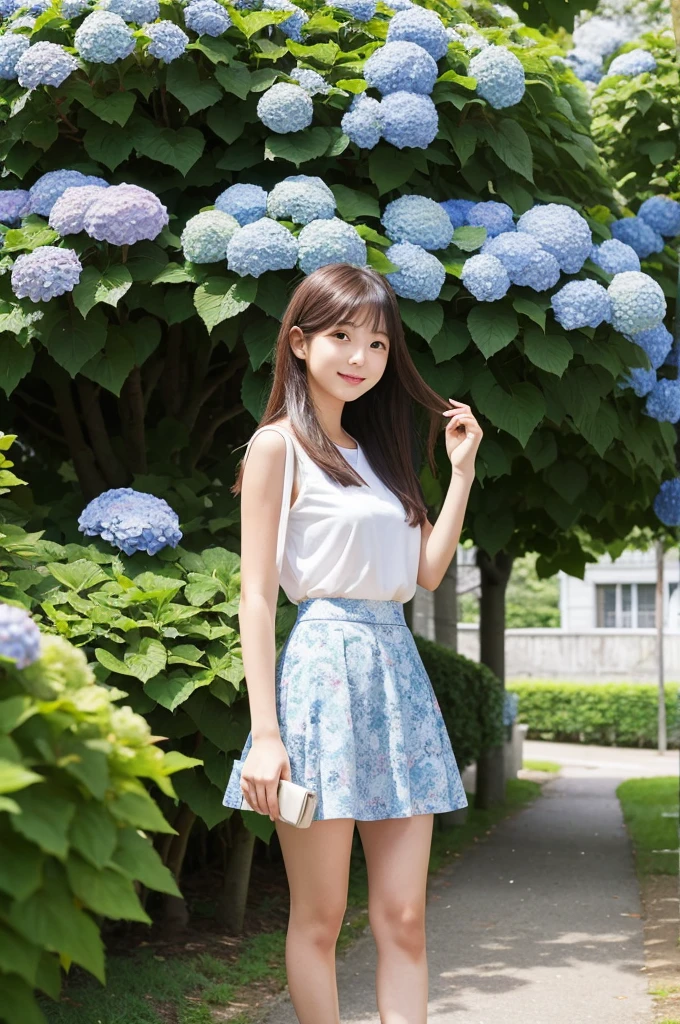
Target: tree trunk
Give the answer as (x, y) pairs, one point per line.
(231, 908)
(446, 608)
(495, 573)
(175, 911)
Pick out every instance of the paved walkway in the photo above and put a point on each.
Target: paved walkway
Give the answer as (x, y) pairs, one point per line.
(537, 923)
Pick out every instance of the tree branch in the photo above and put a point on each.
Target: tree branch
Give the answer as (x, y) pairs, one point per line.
(91, 481)
(172, 373)
(200, 397)
(132, 420)
(214, 422)
(111, 466)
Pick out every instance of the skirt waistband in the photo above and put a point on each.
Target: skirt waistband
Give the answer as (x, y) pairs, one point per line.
(352, 609)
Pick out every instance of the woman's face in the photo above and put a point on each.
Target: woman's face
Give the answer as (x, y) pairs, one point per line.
(342, 351)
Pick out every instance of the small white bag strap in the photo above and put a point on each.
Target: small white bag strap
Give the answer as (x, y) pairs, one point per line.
(288, 475)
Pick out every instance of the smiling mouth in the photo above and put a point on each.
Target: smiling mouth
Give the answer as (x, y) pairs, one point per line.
(348, 376)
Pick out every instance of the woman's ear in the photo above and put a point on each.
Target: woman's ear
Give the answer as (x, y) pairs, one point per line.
(296, 338)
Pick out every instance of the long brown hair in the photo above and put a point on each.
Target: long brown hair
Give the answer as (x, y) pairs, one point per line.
(382, 420)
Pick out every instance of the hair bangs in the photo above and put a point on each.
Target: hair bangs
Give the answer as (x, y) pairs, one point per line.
(360, 298)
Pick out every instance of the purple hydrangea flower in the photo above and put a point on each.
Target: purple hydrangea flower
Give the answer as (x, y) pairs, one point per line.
(44, 193)
(103, 38)
(14, 204)
(285, 108)
(260, 246)
(409, 120)
(12, 48)
(66, 216)
(131, 520)
(168, 41)
(125, 214)
(329, 241)
(46, 272)
(19, 636)
(457, 210)
(245, 202)
(420, 276)
(44, 64)
(667, 502)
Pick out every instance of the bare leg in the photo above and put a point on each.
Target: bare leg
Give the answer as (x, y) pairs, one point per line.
(317, 865)
(397, 852)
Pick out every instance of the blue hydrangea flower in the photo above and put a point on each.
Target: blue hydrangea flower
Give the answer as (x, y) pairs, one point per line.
(635, 62)
(401, 66)
(400, 5)
(475, 41)
(586, 66)
(138, 11)
(18, 23)
(103, 38)
(640, 380)
(44, 64)
(46, 272)
(657, 343)
(285, 107)
(457, 210)
(311, 81)
(66, 216)
(291, 27)
(131, 520)
(245, 202)
(614, 256)
(362, 123)
(638, 302)
(417, 219)
(422, 26)
(420, 276)
(44, 193)
(206, 236)
(663, 401)
(500, 76)
(409, 120)
(300, 202)
(12, 47)
(72, 8)
(662, 214)
(453, 36)
(637, 233)
(362, 10)
(542, 272)
(8, 7)
(314, 181)
(561, 231)
(329, 241)
(513, 248)
(667, 502)
(485, 277)
(495, 217)
(125, 214)
(168, 41)
(207, 18)
(260, 246)
(19, 636)
(14, 204)
(581, 304)
(603, 34)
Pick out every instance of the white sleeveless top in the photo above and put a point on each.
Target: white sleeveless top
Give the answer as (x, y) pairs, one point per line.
(340, 541)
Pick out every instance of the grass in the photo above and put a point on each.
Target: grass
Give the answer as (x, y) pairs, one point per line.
(147, 988)
(542, 766)
(644, 801)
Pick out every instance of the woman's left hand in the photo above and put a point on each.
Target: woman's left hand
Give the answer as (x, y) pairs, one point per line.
(463, 436)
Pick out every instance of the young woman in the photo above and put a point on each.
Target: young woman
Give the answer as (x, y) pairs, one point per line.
(332, 510)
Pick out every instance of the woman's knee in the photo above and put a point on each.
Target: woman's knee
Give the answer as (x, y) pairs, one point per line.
(399, 923)
(320, 923)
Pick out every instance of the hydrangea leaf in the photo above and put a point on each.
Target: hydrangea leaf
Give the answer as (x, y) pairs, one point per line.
(28, 238)
(219, 298)
(204, 799)
(217, 50)
(14, 777)
(79, 575)
(517, 412)
(352, 203)
(228, 125)
(104, 890)
(493, 531)
(179, 148)
(469, 238)
(15, 363)
(599, 428)
(550, 352)
(511, 145)
(323, 53)
(111, 367)
(298, 146)
(254, 22)
(136, 855)
(95, 286)
(425, 318)
(385, 171)
(530, 309)
(379, 261)
(108, 146)
(236, 78)
(492, 326)
(450, 341)
(196, 93)
(71, 340)
(262, 79)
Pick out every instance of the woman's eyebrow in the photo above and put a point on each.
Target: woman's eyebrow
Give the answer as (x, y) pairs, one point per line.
(352, 324)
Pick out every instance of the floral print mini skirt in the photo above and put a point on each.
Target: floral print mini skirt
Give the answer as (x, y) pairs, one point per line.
(358, 716)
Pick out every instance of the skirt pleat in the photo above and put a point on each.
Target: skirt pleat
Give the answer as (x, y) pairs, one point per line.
(358, 715)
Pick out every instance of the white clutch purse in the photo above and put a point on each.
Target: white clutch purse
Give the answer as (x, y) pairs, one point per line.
(296, 804)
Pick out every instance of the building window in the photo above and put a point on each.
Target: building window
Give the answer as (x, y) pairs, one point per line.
(626, 605)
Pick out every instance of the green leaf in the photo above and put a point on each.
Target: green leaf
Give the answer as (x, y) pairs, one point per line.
(105, 890)
(492, 327)
(493, 531)
(95, 286)
(94, 833)
(79, 575)
(108, 146)
(146, 261)
(171, 692)
(71, 341)
(469, 238)
(550, 352)
(511, 144)
(114, 108)
(15, 362)
(532, 310)
(518, 412)
(179, 148)
(21, 866)
(234, 79)
(148, 660)
(15, 776)
(352, 203)
(387, 172)
(139, 810)
(569, 478)
(228, 125)
(322, 53)
(45, 818)
(425, 318)
(379, 261)
(136, 856)
(219, 298)
(298, 147)
(111, 367)
(202, 797)
(218, 51)
(453, 339)
(20, 957)
(28, 238)
(183, 81)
